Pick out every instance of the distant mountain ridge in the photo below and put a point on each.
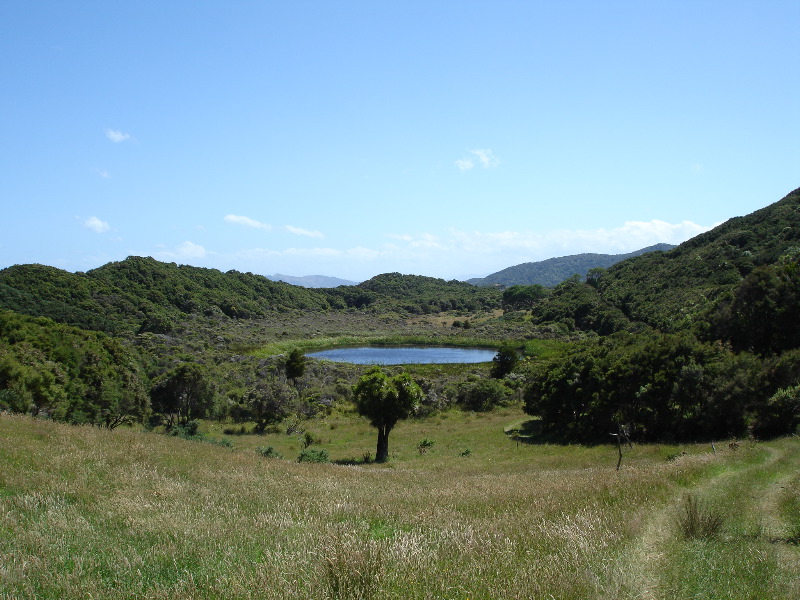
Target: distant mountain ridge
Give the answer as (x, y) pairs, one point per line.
(553, 271)
(312, 281)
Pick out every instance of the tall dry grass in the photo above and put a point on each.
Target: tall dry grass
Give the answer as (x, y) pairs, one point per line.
(122, 514)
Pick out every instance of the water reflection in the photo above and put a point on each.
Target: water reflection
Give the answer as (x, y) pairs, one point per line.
(405, 355)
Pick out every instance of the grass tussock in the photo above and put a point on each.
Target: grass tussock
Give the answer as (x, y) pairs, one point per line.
(698, 521)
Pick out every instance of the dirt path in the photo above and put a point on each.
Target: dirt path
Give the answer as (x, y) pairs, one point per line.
(647, 556)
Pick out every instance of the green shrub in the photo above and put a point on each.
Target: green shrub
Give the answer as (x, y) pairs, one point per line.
(781, 415)
(484, 395)
(425, 445)
(314, 455)
(268, 452)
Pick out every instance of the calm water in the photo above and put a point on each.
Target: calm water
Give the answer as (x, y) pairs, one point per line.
(406, 355)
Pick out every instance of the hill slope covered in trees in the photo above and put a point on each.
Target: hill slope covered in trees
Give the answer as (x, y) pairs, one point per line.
(702, 341)
(553, 271)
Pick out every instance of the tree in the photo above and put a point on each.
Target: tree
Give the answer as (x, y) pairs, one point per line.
(504, 361)
(523, 297)
(183, 393)
(385, 400)
(295, 364)
(269, 401)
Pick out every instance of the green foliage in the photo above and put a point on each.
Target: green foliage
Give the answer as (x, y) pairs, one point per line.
(780, 415)
(425, 445)
(763, 315)
(424, 295)
(523, 297)
(69, 374)
(269, 400)
(313, 455)
(182, 394)
(580, 306)
(664, 387)
(142, 294)
(505, 361)
(679, 289)
(484, 395)
(268, 452)
(295, 364)
(553, 271)
(385, 400)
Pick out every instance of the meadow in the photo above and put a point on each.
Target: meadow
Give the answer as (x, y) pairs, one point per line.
(478, 511)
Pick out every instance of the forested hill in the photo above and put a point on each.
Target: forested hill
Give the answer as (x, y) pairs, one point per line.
(740, 274)
(143, 294)
(417, 293)
(553, 271)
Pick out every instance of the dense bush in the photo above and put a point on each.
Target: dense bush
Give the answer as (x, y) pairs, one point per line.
(484, 395)
(69, 374)
(780, 415)
(664, 387)
(313, 455)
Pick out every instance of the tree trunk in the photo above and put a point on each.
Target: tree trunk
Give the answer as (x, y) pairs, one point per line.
(382, 453)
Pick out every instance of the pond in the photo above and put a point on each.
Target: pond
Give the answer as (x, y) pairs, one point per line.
(405, 355)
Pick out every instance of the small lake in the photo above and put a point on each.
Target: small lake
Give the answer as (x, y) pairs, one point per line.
(405, 355)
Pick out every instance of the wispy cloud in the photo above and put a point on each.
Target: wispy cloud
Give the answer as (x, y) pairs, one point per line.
(186, 251)
(464, 164)
(246, 222)
(463, 254)
(96, 225)
(484, 157)
(117, 136)
(487, 158)
(452, 254)
(305, 232)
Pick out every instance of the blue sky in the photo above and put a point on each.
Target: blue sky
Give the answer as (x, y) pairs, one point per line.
(348, 138)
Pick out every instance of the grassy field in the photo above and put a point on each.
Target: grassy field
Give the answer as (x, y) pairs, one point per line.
(92, 513)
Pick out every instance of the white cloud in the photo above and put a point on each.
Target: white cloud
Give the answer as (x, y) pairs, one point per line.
(117, 136)
(484, 156)
(96, 225)
(464, 254)
(451, 254)
(487, 158)
(306, 232)
(247, 222)
(186, 251)
(464, 164)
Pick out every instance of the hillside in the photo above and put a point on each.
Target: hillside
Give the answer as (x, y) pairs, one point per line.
(420, 294)
(553, 271)
(144, 293)
(716, 352)
(684, 287)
